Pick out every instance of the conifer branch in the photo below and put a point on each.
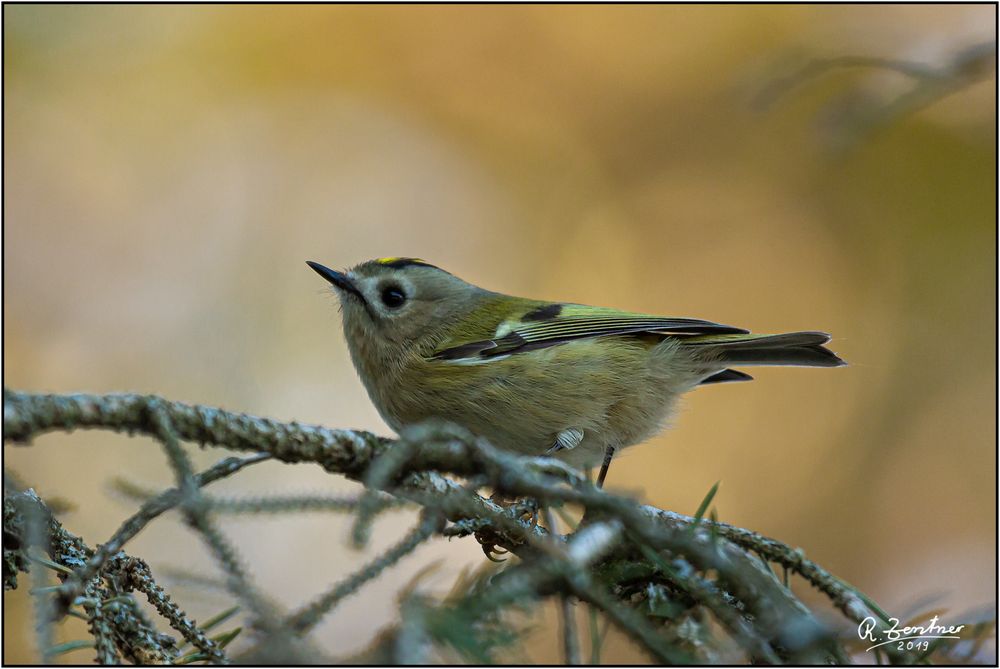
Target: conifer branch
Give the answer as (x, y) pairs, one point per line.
(620, 550)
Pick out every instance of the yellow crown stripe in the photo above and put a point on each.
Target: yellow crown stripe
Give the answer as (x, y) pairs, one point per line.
(394, 259)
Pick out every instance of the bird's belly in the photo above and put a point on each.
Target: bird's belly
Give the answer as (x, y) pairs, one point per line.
(521, 403)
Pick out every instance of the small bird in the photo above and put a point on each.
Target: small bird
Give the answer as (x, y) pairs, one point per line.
(570, 381)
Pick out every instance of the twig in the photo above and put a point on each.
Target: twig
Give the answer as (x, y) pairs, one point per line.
(100, 625)
(708, 595)
(629, 621)
(529, 580)
(819, 66)
(845, 597)
(307, 617)
(570, 634)
(194, 512)
(146, 513)
(135, 575)
(931, 83)
(294, 504)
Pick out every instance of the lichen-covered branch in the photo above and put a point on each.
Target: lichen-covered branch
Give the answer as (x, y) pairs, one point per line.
(135, 575)
(132, 636)
(621, 550)
(341, 451)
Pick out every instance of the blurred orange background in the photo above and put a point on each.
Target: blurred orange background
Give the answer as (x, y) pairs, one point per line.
(168, 170)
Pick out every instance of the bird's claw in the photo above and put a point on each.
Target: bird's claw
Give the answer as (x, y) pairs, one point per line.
(492, 551)
(487, 541)
(524, 509)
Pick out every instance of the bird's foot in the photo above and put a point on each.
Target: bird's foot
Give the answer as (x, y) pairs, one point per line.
(523, 508)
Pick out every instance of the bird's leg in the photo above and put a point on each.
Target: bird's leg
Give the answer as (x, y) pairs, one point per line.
(608, 454)
(526, 508)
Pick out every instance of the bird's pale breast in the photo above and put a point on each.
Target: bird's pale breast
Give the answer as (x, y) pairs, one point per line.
(618, 390)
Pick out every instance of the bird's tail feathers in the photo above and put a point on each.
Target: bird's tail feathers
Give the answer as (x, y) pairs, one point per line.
(794, 348)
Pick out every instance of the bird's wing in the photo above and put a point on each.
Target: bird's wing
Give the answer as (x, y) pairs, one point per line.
(550, 324)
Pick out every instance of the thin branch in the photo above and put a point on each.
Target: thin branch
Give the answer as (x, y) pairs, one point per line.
(100, 625)
(820, 66)
(709, 596)
(847, 598)
(294, 504)
(135, 575)
(567, 618)
(630, 622)
(197, 517)
(931, 83)
(146, 513)
(308, 616)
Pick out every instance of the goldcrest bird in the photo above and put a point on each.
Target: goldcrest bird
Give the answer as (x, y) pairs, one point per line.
(571, 381)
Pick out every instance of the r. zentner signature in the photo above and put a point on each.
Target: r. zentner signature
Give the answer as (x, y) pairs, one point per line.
(869, 630)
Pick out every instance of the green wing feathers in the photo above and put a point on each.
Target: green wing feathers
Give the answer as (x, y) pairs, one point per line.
(795, 348)
(549, 324)
(542, 324)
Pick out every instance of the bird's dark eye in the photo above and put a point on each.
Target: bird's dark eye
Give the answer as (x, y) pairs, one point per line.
(393, 297)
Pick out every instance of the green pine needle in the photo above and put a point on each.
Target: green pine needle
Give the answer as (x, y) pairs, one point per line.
(703, 507)
(219, 618)
(193, 657)
(225, 638)
(45, 562)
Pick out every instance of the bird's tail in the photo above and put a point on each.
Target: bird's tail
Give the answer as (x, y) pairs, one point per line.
(803, 349)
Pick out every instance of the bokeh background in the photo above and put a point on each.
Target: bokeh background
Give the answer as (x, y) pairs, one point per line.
(168, 170)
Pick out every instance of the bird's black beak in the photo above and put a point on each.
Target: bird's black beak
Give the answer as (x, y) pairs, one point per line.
(340, 281)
